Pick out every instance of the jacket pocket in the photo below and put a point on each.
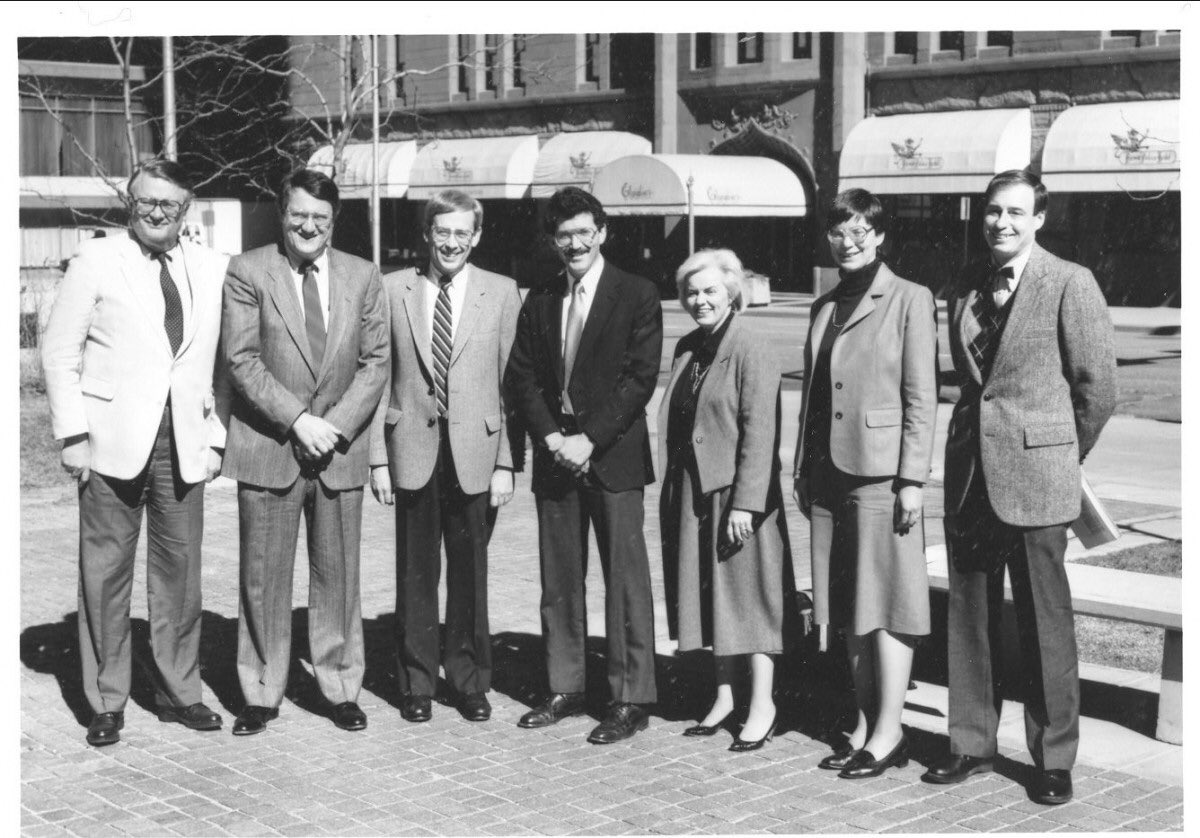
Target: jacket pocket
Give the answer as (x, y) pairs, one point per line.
(885, 417)
(493, 423)
(1040, 334)
(97, 387)
(392, 416)
(1039, 436)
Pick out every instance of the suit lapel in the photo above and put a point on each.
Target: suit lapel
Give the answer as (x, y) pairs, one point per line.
(553, 302)
(880, 286)
(339, 306)
(416, 291)
(719, 368)
(193, 270)
(820, 323)
(964, 320)
(474, 298)
(283, 293)
(601, 309)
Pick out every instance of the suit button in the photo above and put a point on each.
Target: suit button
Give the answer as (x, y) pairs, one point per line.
(837, 386)
(699, 439)
(987, 397)
(432, 422)
(431, 391)
(837, 415)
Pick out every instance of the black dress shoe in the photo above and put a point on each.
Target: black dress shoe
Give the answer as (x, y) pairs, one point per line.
(416, 708)
(842, 752)
(622, 722)
(253, 719)
(702, 730)
(863, 763)
(475, 707)
(1052, 787)
(349, 716)
(195, 716)
(553, 710)
(956, 768)
(740, 744)
(105, 728)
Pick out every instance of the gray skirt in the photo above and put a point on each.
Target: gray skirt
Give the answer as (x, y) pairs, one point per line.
(865, 575)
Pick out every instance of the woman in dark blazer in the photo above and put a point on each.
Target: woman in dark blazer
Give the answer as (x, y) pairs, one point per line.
(725, 551)
(862, 459)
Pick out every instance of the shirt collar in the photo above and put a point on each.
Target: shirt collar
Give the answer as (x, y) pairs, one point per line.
(590, 279)
(321, 263)
(433, 276)
(1017, 263)
(152, 255)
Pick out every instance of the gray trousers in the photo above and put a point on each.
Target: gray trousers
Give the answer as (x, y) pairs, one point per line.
(269, 521)
(110, 520)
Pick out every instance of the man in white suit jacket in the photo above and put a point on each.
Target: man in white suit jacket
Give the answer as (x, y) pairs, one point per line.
(128, 356)
(440, 449)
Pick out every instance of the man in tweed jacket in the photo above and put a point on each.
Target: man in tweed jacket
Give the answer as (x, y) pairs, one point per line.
(1032, 340)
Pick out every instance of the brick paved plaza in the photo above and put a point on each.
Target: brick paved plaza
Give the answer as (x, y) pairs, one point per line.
(303, 776)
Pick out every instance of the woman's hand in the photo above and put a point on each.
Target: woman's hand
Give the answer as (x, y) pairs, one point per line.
(739, 527)
(800, 493)
(908, 509)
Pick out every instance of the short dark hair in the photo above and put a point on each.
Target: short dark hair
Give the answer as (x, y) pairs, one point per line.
(569, 202)
(854, 202)
(1014, 177)
(165, 169)
(452, 200)
(315, 183)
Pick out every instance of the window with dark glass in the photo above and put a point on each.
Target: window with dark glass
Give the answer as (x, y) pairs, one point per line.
(631, 60)
(802, 45)
(518, 60)
(749, 48)
(357, 57)
(491, 62)
(1136, 34)
(399, 67)
(951, 41)
(703, 50)
(1000, 38)
(464, 54)
(904, 43)
(591, 55)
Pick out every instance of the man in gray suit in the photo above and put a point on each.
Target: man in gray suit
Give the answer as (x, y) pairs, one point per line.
(440, 453)
(1032, 339)
(305, 338)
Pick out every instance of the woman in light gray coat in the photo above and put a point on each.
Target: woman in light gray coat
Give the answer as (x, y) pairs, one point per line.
(862, 459)
(725, 550)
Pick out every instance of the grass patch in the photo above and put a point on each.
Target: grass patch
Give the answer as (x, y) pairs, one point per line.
(1128, 645)
(40, 465)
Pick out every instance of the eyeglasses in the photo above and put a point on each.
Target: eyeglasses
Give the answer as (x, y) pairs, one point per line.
(587, 237)
(441, 235)
(145, 206)
(858, 235)
(319, 220)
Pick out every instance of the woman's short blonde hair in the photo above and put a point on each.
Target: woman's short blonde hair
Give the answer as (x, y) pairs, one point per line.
(732, 274)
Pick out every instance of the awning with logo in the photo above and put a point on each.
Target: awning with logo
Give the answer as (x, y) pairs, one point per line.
(953, 152)
(728, 186)
(71, 192)
(1114, 147)
(395, 164)
(573, 159)
(483, 167)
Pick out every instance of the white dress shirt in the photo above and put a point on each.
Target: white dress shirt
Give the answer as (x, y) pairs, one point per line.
(458, 296)
(321, 275)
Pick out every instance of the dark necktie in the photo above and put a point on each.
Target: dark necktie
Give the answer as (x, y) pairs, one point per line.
(314, 317)
(173, 310)
(442, 342)
(991, 319)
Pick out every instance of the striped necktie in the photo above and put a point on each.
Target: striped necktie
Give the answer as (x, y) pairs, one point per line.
(314, 317)
(173, 310)
(571, 341)
(443, 340)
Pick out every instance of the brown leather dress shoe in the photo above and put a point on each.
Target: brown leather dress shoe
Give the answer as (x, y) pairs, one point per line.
(349, 716)
(622, 722)
(475, 707)
(956, 768)
(416, 708)
(105, 728)
(195, 716)
(553, 710)
(253, 719)
(1052, 787)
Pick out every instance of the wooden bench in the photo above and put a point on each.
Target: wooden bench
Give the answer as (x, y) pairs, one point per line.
(1128, 597)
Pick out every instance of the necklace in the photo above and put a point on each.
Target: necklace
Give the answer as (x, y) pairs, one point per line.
(833, 318)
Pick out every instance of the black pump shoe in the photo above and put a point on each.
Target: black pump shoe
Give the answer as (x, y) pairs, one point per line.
(863, 764)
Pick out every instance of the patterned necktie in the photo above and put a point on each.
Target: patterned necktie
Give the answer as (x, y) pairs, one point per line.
(991, 320)
(443, 340)
(173, 311)
(571, 341)
(314, 317)
(1002, 286)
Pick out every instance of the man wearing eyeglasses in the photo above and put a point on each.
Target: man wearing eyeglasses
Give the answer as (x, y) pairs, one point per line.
(128, 356)
(440, 453)
(305, 338)
(584, 366)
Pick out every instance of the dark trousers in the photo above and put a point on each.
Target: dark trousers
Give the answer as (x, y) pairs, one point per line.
(424, 518)
(110, 519)
(980, 548)
(563, 520)
(268, 527)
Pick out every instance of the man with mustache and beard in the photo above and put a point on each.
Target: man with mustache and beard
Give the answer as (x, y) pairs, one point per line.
(583, 367)
(440, 453)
